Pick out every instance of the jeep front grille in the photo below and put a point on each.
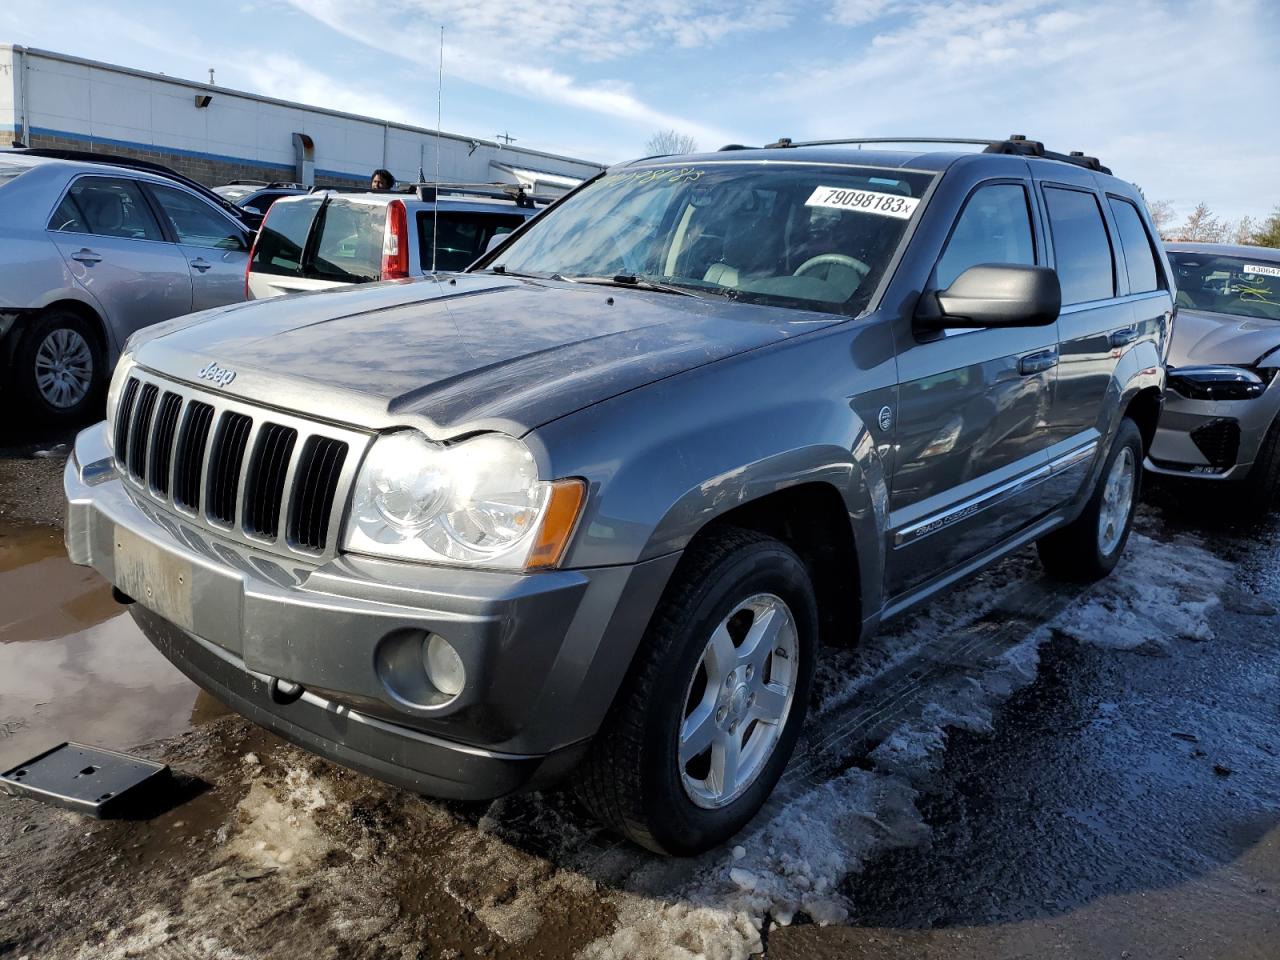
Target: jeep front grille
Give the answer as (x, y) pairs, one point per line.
(270, 479)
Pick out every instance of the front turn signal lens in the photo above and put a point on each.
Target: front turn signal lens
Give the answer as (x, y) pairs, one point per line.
(559, 520)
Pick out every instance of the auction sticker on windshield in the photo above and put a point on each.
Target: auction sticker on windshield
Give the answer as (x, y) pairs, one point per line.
(1261, 270)
(864, 201)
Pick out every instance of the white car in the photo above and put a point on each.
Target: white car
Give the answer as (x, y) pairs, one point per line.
(330, 238)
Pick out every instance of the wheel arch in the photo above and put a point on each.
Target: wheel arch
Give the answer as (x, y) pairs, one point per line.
(1143, 409)
(813, 520)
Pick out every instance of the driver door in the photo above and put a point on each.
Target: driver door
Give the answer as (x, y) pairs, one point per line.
(973, 410)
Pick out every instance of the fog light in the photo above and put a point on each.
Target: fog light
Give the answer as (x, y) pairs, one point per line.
(444, 666)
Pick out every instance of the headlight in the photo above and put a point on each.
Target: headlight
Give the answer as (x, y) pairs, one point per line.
(478, 502)
(1216, 383)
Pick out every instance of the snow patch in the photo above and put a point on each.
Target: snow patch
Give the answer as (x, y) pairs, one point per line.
(1159, 591)
(276, 829)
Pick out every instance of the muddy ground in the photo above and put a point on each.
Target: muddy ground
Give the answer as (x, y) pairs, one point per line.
(1022, 769)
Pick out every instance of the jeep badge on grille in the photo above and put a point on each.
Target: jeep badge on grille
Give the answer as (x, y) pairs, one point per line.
(216, 374)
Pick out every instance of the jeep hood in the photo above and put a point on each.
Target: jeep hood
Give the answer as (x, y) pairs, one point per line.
(1208, 338)
(474, 352)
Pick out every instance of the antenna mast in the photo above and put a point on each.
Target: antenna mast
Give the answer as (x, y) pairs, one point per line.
(435, 208)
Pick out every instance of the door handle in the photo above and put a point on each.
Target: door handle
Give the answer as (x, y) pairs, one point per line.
(85, 255)
(1039, 362)
(1123, 337)
(201, 264)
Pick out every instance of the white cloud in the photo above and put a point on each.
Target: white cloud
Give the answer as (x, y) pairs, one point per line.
(1164, 91)
(527, 47)
(854, 13)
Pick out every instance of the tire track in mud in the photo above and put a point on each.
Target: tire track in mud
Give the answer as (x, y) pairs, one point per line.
(841, 735)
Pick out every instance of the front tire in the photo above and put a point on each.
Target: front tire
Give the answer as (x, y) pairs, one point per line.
(1088, 548)
(710, 711)
(1258, 489)
(58, 368)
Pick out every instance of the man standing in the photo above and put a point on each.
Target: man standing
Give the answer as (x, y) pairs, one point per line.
(381, 181)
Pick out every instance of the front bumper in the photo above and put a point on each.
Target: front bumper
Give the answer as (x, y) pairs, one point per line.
(1214, 440)
(543, 653)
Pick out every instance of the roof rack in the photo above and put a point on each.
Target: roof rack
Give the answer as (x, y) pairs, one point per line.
(516, 192)
(1017, 145)
(117, 160)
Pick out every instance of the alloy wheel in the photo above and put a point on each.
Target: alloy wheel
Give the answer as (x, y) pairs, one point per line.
(738, 701)
(64, 368)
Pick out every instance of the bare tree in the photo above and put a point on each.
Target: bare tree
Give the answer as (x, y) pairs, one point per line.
(1162, 214)
(1243, 231)
(1202, 226)
(666, 142)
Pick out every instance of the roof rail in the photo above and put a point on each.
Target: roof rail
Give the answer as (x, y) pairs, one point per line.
(1016, 144)
(245, 183)
(516, 192)
(149, 166)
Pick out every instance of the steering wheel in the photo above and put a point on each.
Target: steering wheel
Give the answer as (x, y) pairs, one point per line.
(833, 259)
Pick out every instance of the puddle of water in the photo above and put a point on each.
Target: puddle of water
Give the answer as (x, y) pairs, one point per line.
(73, 665)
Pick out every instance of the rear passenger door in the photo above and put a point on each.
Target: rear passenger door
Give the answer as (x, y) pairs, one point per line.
(105, 230)
(973, 406)
(1095, 324)
(214, 246)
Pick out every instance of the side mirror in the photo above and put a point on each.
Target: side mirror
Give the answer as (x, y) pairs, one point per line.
(495, 241)
(994, 295)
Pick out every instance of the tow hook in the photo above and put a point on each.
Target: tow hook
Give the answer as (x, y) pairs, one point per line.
(284, 691)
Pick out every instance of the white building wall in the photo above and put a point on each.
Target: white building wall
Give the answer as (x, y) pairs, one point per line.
(68, 98)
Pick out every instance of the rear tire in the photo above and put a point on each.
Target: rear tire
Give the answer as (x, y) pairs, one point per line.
(59, 369)
(642, 776)
(1258, 488)
(1088, 548)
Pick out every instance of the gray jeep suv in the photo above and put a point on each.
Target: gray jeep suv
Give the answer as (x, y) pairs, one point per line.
(590, 508)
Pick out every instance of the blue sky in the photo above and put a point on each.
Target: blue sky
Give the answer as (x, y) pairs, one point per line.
(1177, 95)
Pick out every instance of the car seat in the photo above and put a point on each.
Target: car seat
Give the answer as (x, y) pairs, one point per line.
(104, 209)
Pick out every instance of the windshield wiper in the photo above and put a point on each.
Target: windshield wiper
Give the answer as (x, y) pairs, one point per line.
(503, 271)
(631, 280)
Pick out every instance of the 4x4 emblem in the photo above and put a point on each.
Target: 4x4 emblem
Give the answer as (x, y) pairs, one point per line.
(216, 374)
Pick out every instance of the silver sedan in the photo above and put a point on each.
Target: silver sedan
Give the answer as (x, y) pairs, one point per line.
(1219, 421)
(89, 253)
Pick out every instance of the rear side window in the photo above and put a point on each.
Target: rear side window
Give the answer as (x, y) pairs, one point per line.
(263, 202)
(349, 244)
(994, 227)
(283, 237)
(460, 236)
(196, 223)
(106, 207)
(1140, 260)
(1081, 249)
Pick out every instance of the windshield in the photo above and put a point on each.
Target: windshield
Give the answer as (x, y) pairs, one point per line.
(804, 236)
(1239, 286)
